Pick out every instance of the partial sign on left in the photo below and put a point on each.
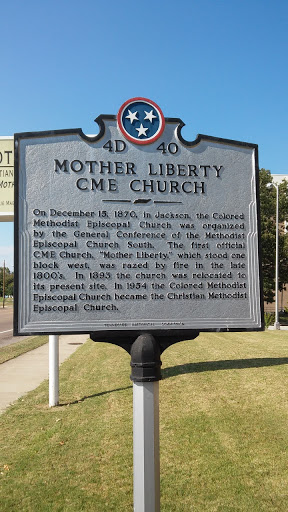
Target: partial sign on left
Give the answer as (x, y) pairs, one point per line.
(6, 179)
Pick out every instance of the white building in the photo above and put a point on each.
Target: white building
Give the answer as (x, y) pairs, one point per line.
(277, 178)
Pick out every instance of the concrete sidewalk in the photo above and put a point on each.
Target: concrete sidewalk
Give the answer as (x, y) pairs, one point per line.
(281, 328)
(26, 372)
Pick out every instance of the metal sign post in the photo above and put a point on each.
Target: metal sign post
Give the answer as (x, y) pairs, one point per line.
(146, 364)
(53, 370)
(146, 456)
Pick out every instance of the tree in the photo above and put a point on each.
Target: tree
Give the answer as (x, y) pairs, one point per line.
(9, 281)
(268, 234)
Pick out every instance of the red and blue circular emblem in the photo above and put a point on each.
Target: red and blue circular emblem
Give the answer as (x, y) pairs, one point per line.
(141, 121)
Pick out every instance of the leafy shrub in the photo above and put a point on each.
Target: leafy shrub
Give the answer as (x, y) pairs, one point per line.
(269, 319)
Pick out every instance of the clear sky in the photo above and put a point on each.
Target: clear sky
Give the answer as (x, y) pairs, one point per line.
(219, 65)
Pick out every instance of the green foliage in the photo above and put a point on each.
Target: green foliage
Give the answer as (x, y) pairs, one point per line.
(268, 234)
(9, 281)
(269, 319)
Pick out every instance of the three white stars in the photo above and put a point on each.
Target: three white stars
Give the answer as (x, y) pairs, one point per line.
(132, 116)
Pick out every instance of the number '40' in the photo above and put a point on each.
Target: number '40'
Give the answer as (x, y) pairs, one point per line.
(171, 148)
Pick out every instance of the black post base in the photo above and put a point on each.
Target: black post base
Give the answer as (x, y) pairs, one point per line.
(145, 359)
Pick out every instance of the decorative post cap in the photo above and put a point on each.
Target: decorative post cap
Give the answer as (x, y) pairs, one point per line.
(145, 359)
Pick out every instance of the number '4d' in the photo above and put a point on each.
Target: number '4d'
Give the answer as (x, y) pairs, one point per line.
(116, 146)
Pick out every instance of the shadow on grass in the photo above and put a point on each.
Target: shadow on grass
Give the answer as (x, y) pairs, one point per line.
(207, 366)
(212, 366)
(94, 396)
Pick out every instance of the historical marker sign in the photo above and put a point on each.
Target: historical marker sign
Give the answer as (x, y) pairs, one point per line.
(136, 228)
(6, 179)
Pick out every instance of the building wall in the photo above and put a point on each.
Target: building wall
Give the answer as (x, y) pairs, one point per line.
(282, 301)
(277, 178)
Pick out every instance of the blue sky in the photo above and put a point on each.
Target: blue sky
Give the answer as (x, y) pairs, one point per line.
(219, 65)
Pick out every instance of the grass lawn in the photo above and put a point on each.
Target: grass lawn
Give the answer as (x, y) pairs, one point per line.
(223, 431)
(21, 347)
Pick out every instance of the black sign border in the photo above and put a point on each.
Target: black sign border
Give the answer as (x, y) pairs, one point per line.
(124, 339)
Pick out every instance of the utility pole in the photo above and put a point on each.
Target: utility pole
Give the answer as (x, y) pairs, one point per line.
(276, 323)
(4, 284)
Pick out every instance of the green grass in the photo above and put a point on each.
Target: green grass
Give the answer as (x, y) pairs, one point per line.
(223, 431)
(20, 347)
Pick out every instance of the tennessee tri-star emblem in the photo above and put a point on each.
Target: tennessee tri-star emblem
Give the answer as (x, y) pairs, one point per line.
(141, 121)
